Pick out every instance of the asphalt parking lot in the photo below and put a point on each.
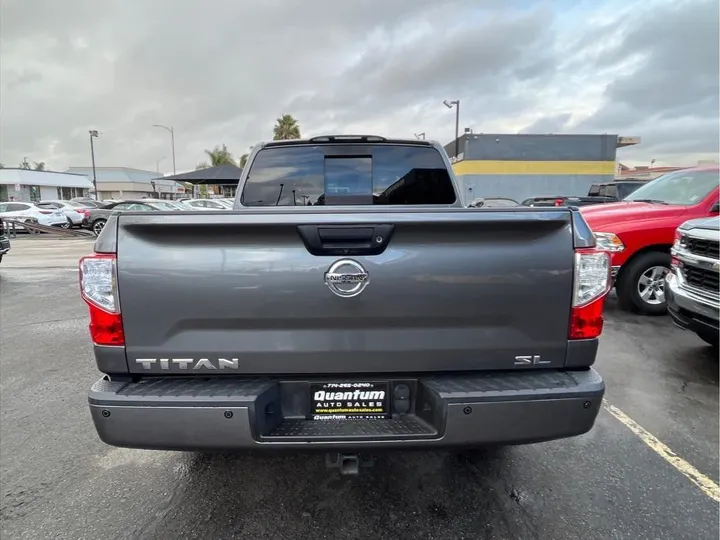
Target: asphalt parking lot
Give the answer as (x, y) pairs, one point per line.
(59, 481)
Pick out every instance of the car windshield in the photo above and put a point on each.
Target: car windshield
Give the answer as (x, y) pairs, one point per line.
(75, 204)
(684, 188)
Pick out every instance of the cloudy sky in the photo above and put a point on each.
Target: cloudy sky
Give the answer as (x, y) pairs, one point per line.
(221, 71)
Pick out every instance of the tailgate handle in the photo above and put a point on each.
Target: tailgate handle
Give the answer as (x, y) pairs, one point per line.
(346, 239)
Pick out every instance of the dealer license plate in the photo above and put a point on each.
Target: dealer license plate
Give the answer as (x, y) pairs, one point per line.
(349, 400)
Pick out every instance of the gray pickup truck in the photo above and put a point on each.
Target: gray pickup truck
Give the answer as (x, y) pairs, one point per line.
(691, 287)
(348, 302)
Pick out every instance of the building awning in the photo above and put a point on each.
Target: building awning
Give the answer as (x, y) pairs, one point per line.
(226, 174)
(27, 177)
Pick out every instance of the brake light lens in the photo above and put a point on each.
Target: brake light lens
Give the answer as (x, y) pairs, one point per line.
(559, 202)
(98, 287)
(46, 212)
(591, 284)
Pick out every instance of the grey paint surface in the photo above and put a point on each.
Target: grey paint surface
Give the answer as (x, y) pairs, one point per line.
(60, 481)
(525, 186)
(450, 292)
(530, 147)
(461, 290)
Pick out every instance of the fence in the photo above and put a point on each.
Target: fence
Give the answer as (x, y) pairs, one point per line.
(11, 226)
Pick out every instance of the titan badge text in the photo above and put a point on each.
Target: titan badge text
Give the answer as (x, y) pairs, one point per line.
(188, 363)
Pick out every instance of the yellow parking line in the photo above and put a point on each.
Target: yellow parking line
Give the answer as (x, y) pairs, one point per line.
(710, 488)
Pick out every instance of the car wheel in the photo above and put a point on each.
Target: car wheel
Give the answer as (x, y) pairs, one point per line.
(641, 286)
(709, 337)
(67, 224)
(98, 226)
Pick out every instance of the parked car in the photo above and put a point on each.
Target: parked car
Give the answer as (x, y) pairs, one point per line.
(493, 202)
(96, 218)
(379, 314)
(44, 215)
(639, 231)
(207, 204)
(73, 210)
(91, 203)
(692, 287)
(4, 241)
(597, 194)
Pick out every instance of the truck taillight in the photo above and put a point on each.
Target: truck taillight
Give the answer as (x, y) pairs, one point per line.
(559, 202)
(98, 287)
(591, 284)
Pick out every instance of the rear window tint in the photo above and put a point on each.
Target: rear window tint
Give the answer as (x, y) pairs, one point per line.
(348, 175)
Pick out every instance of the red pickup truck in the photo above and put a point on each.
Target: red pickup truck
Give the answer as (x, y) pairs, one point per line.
(639, 231)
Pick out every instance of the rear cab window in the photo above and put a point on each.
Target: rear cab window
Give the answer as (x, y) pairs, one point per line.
(348, 174)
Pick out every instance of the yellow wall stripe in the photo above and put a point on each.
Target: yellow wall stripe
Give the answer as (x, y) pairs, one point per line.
(534, 167)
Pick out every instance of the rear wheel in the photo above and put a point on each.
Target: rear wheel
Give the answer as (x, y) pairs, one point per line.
(67, 224)
(641, 286)
(98, 226)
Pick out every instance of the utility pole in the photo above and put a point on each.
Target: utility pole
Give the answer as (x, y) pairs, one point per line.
(170, 130)
(449, 105)
(93, 134)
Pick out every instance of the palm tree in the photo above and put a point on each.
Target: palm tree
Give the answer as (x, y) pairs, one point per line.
(220, 156)
(39, 165)
(286, 127)
(243, 160)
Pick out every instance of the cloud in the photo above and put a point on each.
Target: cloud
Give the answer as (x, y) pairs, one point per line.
(223, 71)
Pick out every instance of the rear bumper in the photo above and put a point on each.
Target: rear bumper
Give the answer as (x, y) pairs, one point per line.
(446, 411)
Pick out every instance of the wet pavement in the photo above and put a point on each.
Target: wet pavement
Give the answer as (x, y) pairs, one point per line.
(59, 481)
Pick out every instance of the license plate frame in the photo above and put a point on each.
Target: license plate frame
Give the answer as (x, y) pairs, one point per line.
(354, 400)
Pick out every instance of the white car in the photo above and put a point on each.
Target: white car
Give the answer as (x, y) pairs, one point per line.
(207, 204)
(45, 215)
(73, 210)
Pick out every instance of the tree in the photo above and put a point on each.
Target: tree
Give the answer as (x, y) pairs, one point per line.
(39, 165)
(220, 156)
(24, 164)
(286, 127)
(2, 165)
(243, 160)
(202, 165)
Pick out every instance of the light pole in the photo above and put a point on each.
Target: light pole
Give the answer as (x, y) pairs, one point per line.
(93, 134)
(172, 140)
(420, 136)
(449, 105)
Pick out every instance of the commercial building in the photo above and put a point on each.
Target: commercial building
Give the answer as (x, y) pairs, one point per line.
(528, 165)
(129, 183)
(30, 186)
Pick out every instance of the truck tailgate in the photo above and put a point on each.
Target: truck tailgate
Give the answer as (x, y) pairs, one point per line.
(241, 292)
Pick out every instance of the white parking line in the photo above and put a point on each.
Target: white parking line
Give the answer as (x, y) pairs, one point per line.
(706, 484)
